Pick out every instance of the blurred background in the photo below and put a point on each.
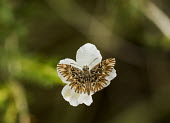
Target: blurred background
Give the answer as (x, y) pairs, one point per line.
(36, 34)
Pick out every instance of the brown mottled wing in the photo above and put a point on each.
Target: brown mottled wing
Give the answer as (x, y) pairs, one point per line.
(73, 75)
(100, 72)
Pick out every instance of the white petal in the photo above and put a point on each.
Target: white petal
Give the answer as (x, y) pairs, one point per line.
(88, 55)
(74, 98)
(86, 99)
(66, 92)
(66, 61)
(111, 76)
(70, 96)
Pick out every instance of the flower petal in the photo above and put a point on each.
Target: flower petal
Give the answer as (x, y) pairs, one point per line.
(74, 98)
(70, 96)
(86, 99)
(88, 55)
(66, 92)
(111, 76)
(66, 61)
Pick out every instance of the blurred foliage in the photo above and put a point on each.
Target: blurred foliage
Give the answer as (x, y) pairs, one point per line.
(36, 34)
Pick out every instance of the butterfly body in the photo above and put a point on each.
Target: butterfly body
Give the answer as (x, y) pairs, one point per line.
(87, 80)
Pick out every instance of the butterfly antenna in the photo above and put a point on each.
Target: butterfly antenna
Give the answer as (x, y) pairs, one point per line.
(92, 61)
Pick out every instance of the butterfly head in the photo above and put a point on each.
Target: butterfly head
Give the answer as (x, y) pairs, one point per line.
(85, 68)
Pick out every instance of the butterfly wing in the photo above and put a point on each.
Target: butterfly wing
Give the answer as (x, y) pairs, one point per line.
(100, 72)
(72, 75)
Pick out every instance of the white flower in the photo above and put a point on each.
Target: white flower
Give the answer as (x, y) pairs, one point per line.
(86, 55)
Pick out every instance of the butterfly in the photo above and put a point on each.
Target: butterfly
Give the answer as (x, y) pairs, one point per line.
(87, 80)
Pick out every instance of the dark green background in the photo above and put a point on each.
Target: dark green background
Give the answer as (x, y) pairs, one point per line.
(36, 34)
